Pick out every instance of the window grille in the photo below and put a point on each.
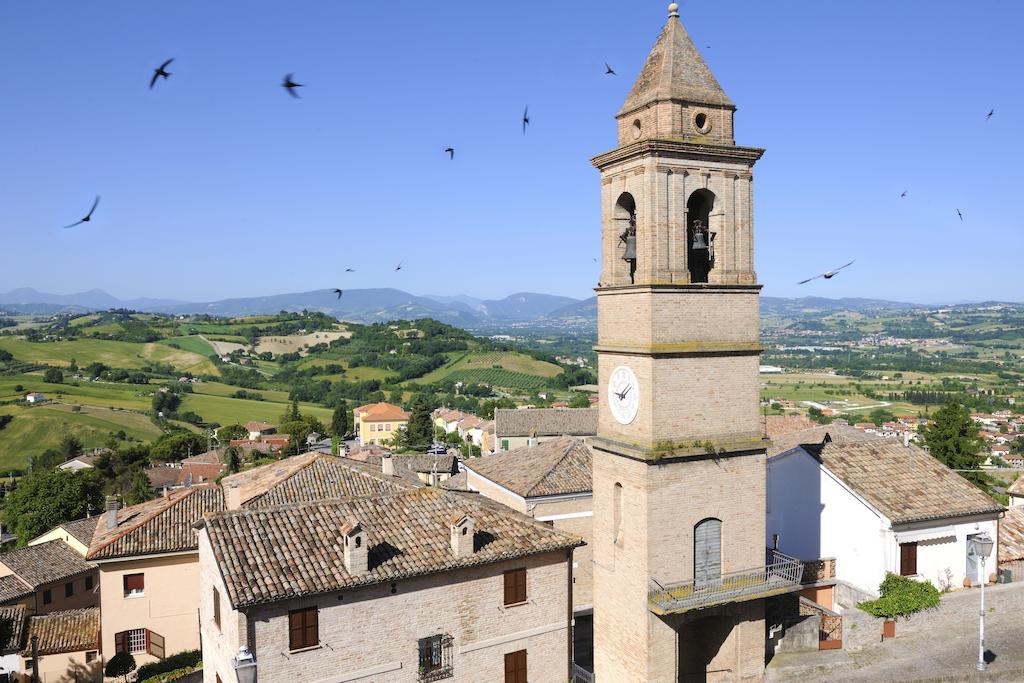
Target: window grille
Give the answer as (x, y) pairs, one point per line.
(435, 658)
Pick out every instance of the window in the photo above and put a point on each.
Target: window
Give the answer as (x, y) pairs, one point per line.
(137, 640)
(908, 559)
(707, 550)
(515, 667)
(504, 444)
(91, 656)
(435, 658)
(134, 585)
(88, 583)
(216, 677)
(69, 589)
(387, 427)
(47, 597)
(216, 607)
(617, 513)
(303, 630)
(515, 587)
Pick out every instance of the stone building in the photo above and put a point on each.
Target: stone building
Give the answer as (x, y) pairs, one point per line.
(680, 568)
(418, 585)
(518, 427)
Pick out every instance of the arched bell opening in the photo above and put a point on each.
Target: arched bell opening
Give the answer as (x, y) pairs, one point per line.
(700, 241)
(625, 222)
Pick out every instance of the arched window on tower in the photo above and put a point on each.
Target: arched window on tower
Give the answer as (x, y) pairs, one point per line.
(700, 241)
(625, 221)
(617, 513)
(707, 551)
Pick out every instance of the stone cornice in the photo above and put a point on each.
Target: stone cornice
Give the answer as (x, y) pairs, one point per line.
(677, 287)
(678, 149)
(720, 448)
(690, 348)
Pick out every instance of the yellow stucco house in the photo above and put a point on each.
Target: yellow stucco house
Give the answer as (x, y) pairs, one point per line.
(376, 423)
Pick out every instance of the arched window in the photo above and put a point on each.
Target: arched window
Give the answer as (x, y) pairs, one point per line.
(617, 513)
(707, 550)
(700, 241)
(625, 222)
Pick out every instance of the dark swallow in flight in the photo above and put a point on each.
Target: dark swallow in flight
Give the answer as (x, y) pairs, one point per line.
(160, 72)
(88, 216)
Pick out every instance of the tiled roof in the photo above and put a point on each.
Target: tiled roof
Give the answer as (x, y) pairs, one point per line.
(902, 482)
(213, 457)
(383, 412)
(72, 630)
(191, 474)
(311, 476)
(258, 426)
(161, 476)
(1017, 487)
(560, 466)
(545, 422)
(14, 614)
(295, 550)
(456, 482)
(46, 562)
(1011, 535)
(427, 463)
(82, 529)
(777, 425)
(162, 525)
(838, 432)
(12, 588)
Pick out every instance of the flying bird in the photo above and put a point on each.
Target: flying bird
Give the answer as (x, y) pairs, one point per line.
(828, 275)
(338, 292)
(398, 267)
(160, 71)
(903, 194)
(350, 270)
(290, 85)
(608, 70)
(450, 151)
(526, 118)
(961, 215)
(88, 216)
(991, 113)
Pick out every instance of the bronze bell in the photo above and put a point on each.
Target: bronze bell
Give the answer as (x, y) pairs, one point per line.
(699, 240)
(630, 252)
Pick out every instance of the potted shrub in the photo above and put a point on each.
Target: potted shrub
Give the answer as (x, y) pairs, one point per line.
(899, 596)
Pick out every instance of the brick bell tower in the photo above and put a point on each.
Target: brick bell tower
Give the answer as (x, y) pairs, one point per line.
(679, 459)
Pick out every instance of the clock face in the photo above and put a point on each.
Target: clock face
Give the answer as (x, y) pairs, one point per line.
(623, 395)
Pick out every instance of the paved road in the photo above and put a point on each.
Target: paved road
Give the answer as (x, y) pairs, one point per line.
(939, 645)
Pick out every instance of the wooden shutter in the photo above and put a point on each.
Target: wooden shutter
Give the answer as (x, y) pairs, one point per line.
(303, 628)
(908, 559)
(216, 607)
(312, 635)
(134, 582)
(707, 550)
(155, 644)
(295, 630)
(120, 642)
(515, 667)
(515, 586)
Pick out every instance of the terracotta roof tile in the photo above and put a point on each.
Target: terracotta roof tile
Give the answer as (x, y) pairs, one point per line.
(162, 525)
(12, 588)
(383, 412)
(46, 562)
(294, 550)
(82, 529)
(777, 425)
(15, 614)
(1011, 535)
(72, 630)
(902, 482)
(545, 422)
(1017, 487)
(559, 466)
(838, 432)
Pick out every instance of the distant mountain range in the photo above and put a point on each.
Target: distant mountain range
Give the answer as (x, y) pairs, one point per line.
(379, 305)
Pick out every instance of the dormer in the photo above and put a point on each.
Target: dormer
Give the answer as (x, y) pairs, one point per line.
(354, 547)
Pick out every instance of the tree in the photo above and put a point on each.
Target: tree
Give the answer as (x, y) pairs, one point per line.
(53, 376)
(228, 432)
(339, 420)
(175, 446)
(47, 498)
(292, 414)
(70, 447)
(579, 399)
(165, 401)
(880, 416)
(953, 440)
(419, 432)
(121, 664)
(139, 488)
(233, 458)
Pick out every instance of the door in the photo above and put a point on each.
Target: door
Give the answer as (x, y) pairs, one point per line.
(707, 551)
(972, 561)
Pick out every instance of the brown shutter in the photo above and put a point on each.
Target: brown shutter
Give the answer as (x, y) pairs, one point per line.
(216, 607)
(312, 627)
(294, 630)
(908, 559)
(134, 582)
(510, 588)
(155, 644)
(521, 585)
(119, 642)
(515, 667)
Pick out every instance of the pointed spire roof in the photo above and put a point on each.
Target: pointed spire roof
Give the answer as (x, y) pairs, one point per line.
(675, 71)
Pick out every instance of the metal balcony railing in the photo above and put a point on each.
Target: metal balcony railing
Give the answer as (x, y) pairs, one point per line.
(781, 574)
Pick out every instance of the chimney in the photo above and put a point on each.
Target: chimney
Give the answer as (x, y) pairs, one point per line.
(531, 442)
(906, 438)
(232, 496)
(461, 529)
(354, 545)
(112, 506)
(387, 465)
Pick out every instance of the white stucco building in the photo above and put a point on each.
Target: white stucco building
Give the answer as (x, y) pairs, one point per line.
(877, 507)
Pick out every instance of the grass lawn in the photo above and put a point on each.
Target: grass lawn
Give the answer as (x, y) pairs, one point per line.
(218, 389)
(239, 411)
(36, 428)
(191, 343)
(127, 355)
(101, 394)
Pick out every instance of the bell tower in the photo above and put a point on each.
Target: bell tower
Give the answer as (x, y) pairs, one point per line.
(679, 459)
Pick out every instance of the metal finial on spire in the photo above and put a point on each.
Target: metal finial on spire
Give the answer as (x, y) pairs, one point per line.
(673, 10)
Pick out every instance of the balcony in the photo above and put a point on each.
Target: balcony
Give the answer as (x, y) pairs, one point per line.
(782, 574)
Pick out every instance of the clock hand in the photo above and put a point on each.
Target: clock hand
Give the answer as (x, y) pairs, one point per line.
(625, 391)
(620, 394)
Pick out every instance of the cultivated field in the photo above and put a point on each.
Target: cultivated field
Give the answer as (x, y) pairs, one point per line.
(127, 355)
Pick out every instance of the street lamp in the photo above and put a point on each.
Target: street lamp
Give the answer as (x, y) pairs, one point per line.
(981, 547)
(245, 665)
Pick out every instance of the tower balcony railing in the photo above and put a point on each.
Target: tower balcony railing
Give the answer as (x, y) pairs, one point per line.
(781, 574)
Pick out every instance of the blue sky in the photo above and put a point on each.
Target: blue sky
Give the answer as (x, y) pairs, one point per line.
(217, 184)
